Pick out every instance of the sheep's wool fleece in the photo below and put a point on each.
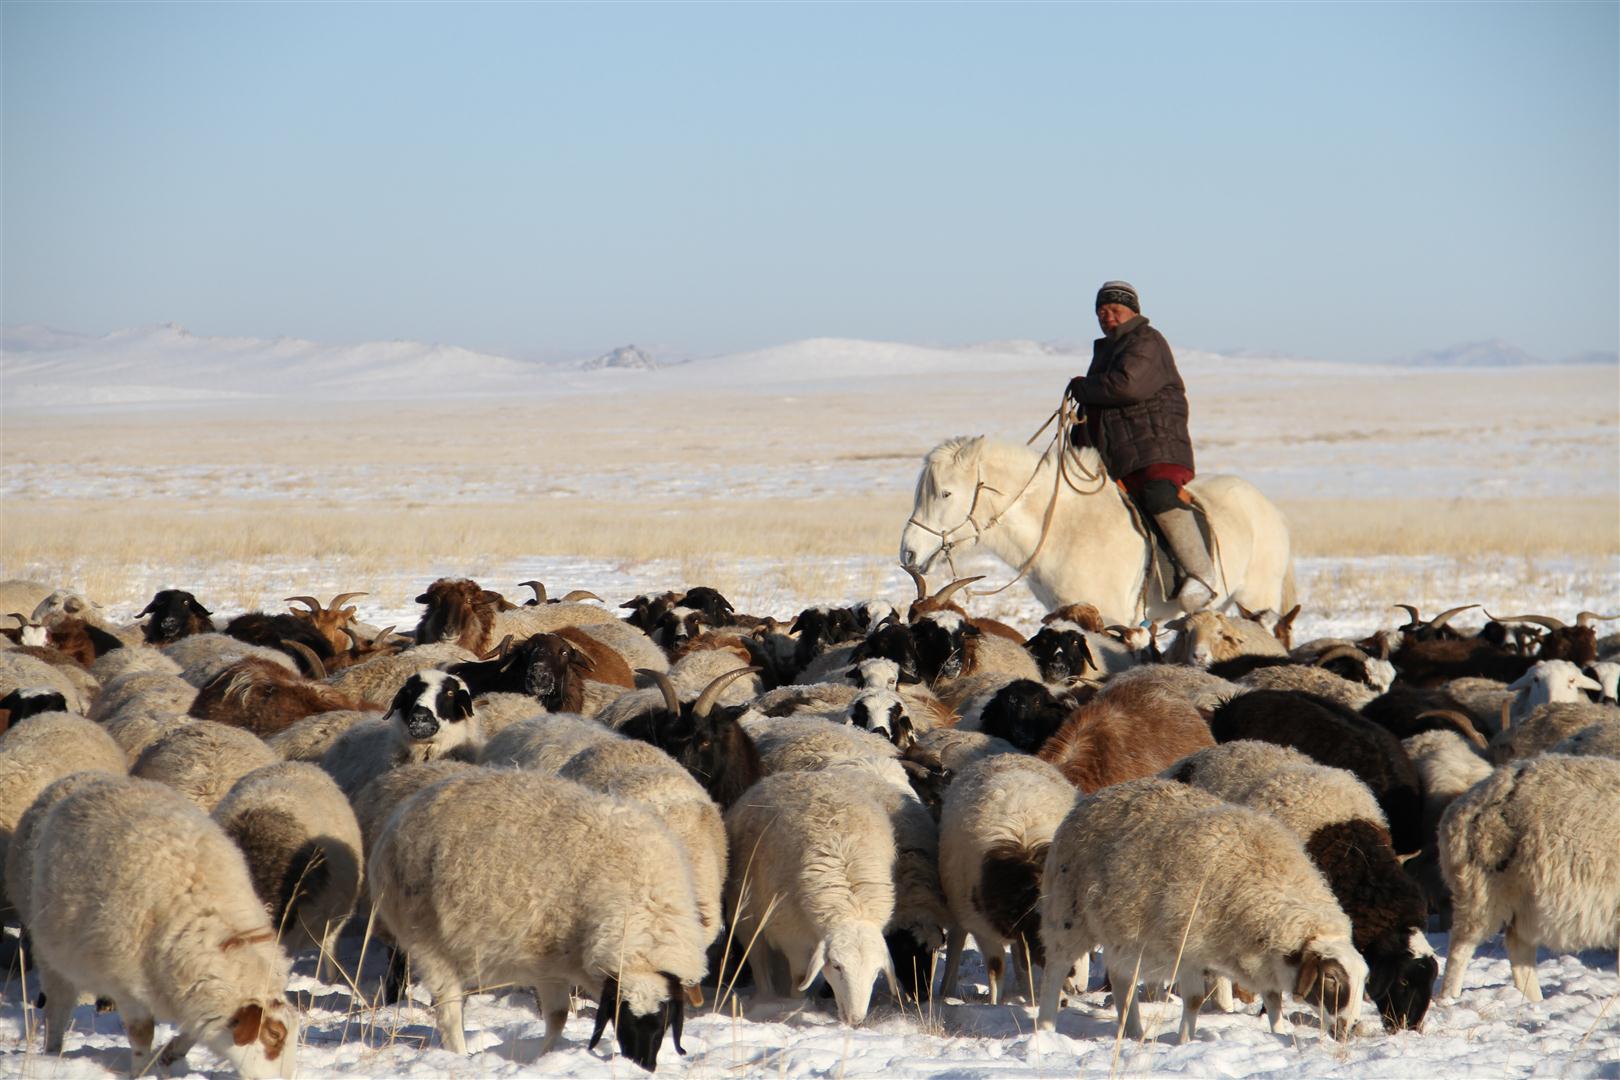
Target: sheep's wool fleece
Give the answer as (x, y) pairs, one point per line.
(500, 876)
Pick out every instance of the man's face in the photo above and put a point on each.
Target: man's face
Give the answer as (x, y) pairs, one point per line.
(1112, 315)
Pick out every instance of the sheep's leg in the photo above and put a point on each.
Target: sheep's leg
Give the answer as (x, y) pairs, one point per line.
(553, 995)
(1190, 985)
(955, 943)
(1457, 958)
(176, 1050)
(1053, 977)
(60, 997)
(1079, 977)
(1220, 987)
(395, 982)
(995, 966)
(138, 1027)
(1522, 959)
(1125, 1002)
(445, 984)
(1273, 1000)
(326, 965)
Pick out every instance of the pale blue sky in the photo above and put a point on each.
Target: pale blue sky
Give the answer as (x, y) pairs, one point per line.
(1346, 181)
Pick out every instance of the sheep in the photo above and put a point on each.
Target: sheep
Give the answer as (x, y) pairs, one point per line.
(706, 658)
(1533, 846)
(1061, 651)
(1483, 700)
(203, 760)
(302, 845)
(459, 611)
(916, 930)
(820, 699)
(1447, 765)
(1332, 735)
(549, 668)
(543, 743)
(20, 671)
(710, 744)
(1347, 838)
(994, 831)
(1134, 731)
(142, 722)
(1550, 681)
(19, 705)
(1406, 711)
(955, 750)
(1024, 712)
(376, 681)
(187, 940)
(637, 649)
(430, 717)
(310, 738)
(129, 660)
(175, 614)
(1607, 675)
(25, 633)
(813, 885)
(264, 698)
(820, 628)
(1545, 725)
(883, 713)
(18, 886)
(812, 743)
(1601, 739)
(203, 656)
(1197, 686)
(951, 648)
(41, 750)
(82, 642)
(1177, 885)
(1312, 680)
(636, 772)
(1208, 637)
(509, 876)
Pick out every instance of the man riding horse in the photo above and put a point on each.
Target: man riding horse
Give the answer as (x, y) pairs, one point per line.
(1134, 411)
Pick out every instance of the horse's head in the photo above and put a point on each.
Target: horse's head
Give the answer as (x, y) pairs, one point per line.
(945, 515)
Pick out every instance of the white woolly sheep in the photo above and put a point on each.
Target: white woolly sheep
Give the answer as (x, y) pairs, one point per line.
(916, 930)
(813, 885)
(1533, 846)
(1177, 885)
(878, 673)
(1549, 681)
(640, 772)
(543, 743)
(203, 760)
(1601, 739)
(1196, 685)
(41, 750)
(1311, 680)
(203, 656)
(1346, 836)
(187, 941)
(1447, 765)
(956, 750)
(153, 691)
(302, 845)
(495, 712)
(116, 663)
(310, 738)
(995, 828)
(638, 650)
(377, 680)
(1546, 725)
(813, 743)
(1607, 674)
(512, 877)
(430, 717)
(19, 864)
(1208, 637)
(699, 667)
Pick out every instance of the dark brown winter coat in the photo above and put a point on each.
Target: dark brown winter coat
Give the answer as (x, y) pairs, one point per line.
(1136, 404)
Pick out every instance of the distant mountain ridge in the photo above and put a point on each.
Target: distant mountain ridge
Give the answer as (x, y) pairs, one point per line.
(1497, 353)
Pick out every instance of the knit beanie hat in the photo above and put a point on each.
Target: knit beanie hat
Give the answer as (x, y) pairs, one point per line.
(1119, 292)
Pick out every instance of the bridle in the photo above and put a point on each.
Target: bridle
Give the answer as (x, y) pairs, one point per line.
(947, 537)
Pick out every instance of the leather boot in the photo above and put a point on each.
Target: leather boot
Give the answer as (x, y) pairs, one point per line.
(1180, 529)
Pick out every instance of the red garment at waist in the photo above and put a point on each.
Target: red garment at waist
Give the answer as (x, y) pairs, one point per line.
(1178, 475)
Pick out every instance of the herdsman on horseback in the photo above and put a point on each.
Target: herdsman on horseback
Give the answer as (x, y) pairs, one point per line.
(1135, 413)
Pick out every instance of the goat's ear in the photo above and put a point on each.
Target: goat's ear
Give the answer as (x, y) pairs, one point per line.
(148, 609)
(580, 660)
(200, 610)
(969, 630)
(489, 596)
(422, 599)
(818, 960)
(1310, 972)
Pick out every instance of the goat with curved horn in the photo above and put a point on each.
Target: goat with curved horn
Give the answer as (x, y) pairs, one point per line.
(1438, 623)
(672, 701)
(1537, 620)
(1339, 651)
(711, 693)
(317, 670)
(539, 590)
(1462, 723)
(954, 587)
(313, 604)
(1586, 618)
(1413, 618)
(577, 595)
(340, 598)
(499, 651)
(920, 581)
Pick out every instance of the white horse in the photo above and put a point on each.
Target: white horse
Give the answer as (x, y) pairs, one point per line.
(975, 491)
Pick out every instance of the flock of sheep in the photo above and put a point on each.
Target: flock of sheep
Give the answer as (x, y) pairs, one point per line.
(550, 795)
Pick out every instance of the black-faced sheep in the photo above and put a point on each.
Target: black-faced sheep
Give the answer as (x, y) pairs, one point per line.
(175, 614)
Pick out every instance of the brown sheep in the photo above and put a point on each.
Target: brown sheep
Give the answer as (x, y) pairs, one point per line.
(1085, 616)
(606, 665)
(264, 698)
(1134, 731)
(82, 642)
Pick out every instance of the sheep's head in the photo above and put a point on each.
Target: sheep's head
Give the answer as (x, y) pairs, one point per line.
(1401, 982)
(330, 621)
(677, 626)
(1330, 973)
(851, 957)
(260, 1038)
(646, 609)
(716, 608)
(1025, 713)
(641, 1010)
(432, 713)
(1551, 680)
(883, 712)
(1061, 652)
(943, 640)
(892, 641)
(879, 673)
(870, 613)
(65, 603)
(26, 632)
(175, 614)
(458, 610)
(1207, 637)
(708, 742)
(819, 629)
(1085, 616)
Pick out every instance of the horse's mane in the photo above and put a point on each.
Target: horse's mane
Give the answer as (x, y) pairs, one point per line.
(962, 448)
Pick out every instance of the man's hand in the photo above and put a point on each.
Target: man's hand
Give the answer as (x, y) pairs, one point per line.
(1074, 389)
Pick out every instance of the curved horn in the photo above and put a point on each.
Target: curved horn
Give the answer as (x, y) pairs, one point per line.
(382, 635)
(1444, 617)
(671, 701)
(1459, 720)
(309, 656)
(1412, 612)
(337, 601)
(539, 589)
(951, 590)
(314, 604)
(1537, 620)
(919, 580)
(499, 651)
(711, 693)
(355, 644)
(577, 595)
(1337, 651)
(1586, 618)
(22, 620)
